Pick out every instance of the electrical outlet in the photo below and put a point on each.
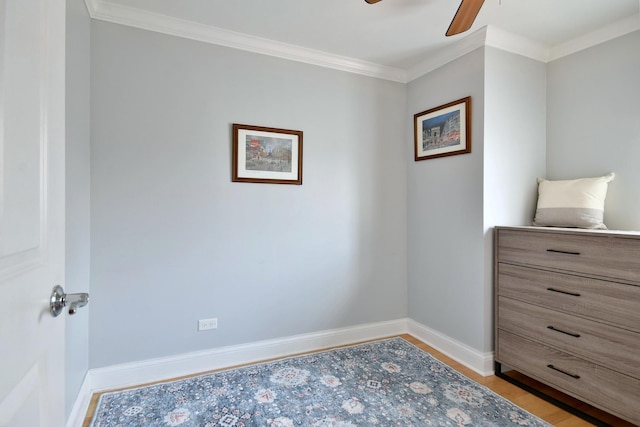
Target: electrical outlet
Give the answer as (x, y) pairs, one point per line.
(206, 324)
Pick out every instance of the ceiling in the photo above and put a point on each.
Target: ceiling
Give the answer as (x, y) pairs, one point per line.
(393, 33)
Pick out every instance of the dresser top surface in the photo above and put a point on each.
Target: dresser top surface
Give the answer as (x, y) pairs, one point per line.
(616, 233)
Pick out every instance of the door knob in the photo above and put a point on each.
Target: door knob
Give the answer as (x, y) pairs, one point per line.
(59, 300)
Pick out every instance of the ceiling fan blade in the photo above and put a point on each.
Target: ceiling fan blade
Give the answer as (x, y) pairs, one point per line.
(464, 17)
(372, 1)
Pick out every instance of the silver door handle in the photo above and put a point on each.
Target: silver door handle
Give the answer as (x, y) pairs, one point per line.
(59, 300)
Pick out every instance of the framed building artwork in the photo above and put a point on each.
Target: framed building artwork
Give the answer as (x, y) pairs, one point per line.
(444, 130)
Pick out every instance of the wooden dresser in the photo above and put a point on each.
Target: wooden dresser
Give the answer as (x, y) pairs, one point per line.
(568, 312)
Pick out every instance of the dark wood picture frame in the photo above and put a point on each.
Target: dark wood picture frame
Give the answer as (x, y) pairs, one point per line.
(266, 155)
(443, 131)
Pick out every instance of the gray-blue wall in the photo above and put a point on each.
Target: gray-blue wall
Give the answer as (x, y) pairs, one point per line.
(445, 257)
(515, 114)
(514, 152)
(173, 240)
(455, 202)
(78, 137)
(371, 235)
(594, 123)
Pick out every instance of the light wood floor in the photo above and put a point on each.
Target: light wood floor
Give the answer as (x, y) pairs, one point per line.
(537, 406)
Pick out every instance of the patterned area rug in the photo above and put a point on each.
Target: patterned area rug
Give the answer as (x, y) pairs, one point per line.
(383, 383)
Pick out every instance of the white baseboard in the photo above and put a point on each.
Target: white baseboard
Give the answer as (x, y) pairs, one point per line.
(130, 374)
(151, 370)
(473, 359)
(81, 405)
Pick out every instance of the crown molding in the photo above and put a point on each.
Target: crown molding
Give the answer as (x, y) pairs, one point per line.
(509, 42)
(448, 54)
(124, 15)
(104, 10)
(485, 36)
(604, 34)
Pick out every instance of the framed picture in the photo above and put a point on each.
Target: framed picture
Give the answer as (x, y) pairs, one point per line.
(444, 130)
(267, 155)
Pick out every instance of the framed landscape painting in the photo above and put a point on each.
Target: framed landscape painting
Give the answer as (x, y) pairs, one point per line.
(444, 130)
(266, 155)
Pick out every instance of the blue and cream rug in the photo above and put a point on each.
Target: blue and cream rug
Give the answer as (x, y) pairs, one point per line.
(382, 383)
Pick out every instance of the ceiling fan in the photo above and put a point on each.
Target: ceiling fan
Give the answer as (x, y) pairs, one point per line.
(464, 17)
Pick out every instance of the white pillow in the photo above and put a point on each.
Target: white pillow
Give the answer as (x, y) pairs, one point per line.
(572, 203)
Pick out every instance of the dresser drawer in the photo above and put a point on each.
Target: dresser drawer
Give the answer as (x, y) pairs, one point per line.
(601, 387)
(593, 254)
(613, 303)
(616, 348)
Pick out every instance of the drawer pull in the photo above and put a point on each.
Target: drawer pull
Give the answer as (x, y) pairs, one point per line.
(555, 251)
(564, 372)
(574, 294)
(563, 332)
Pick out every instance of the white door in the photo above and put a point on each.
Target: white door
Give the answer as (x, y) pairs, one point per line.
(32, 60)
